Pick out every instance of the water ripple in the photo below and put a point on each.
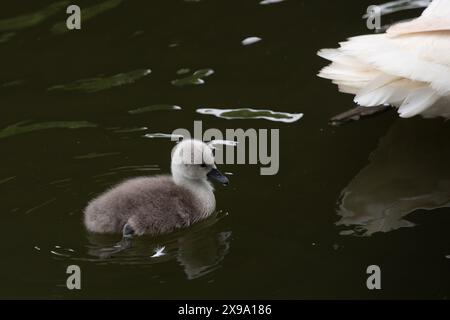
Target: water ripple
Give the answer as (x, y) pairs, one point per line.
(156, 107)
(43, 204)
(136, 168)
(32, 19)
(247, 113)
(265, 2)
(88, 13)
(94, 155)
(195, 79)
(171, 136)
(91, 85)
(61, 252)
(183, 71)
(23, 127)
(5, 180)
(13, 83)
(5, 37)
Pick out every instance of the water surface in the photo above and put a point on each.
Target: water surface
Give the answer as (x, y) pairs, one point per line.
(81, 112)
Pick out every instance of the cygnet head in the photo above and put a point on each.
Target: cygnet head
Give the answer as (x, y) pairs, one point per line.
(193, 161)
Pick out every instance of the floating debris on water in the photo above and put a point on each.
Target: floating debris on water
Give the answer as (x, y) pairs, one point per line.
(247, 113)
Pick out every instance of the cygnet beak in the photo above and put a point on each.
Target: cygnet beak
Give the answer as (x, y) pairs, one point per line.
(218, 176)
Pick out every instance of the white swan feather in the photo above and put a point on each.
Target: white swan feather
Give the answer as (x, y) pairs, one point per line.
(407, 67)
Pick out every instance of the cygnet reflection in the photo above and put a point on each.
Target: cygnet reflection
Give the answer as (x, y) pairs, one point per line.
(199, 250)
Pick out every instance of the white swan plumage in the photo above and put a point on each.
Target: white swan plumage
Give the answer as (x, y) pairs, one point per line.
(407, 67)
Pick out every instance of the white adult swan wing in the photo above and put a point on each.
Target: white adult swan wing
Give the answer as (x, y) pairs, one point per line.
(407, 67)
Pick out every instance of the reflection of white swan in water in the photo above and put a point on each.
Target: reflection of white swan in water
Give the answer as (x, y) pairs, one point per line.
(409, 171)
(198, 250)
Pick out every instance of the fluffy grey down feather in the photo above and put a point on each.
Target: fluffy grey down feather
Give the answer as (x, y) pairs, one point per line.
(150, 205)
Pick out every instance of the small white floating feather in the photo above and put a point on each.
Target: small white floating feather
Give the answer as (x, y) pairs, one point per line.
(159, 252)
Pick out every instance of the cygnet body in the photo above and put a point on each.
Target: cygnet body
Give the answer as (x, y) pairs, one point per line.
(160, 204)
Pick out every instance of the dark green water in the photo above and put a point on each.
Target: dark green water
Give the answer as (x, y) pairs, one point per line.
(372, 192)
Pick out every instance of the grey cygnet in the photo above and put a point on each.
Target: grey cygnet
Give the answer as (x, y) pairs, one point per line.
(160, 204)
